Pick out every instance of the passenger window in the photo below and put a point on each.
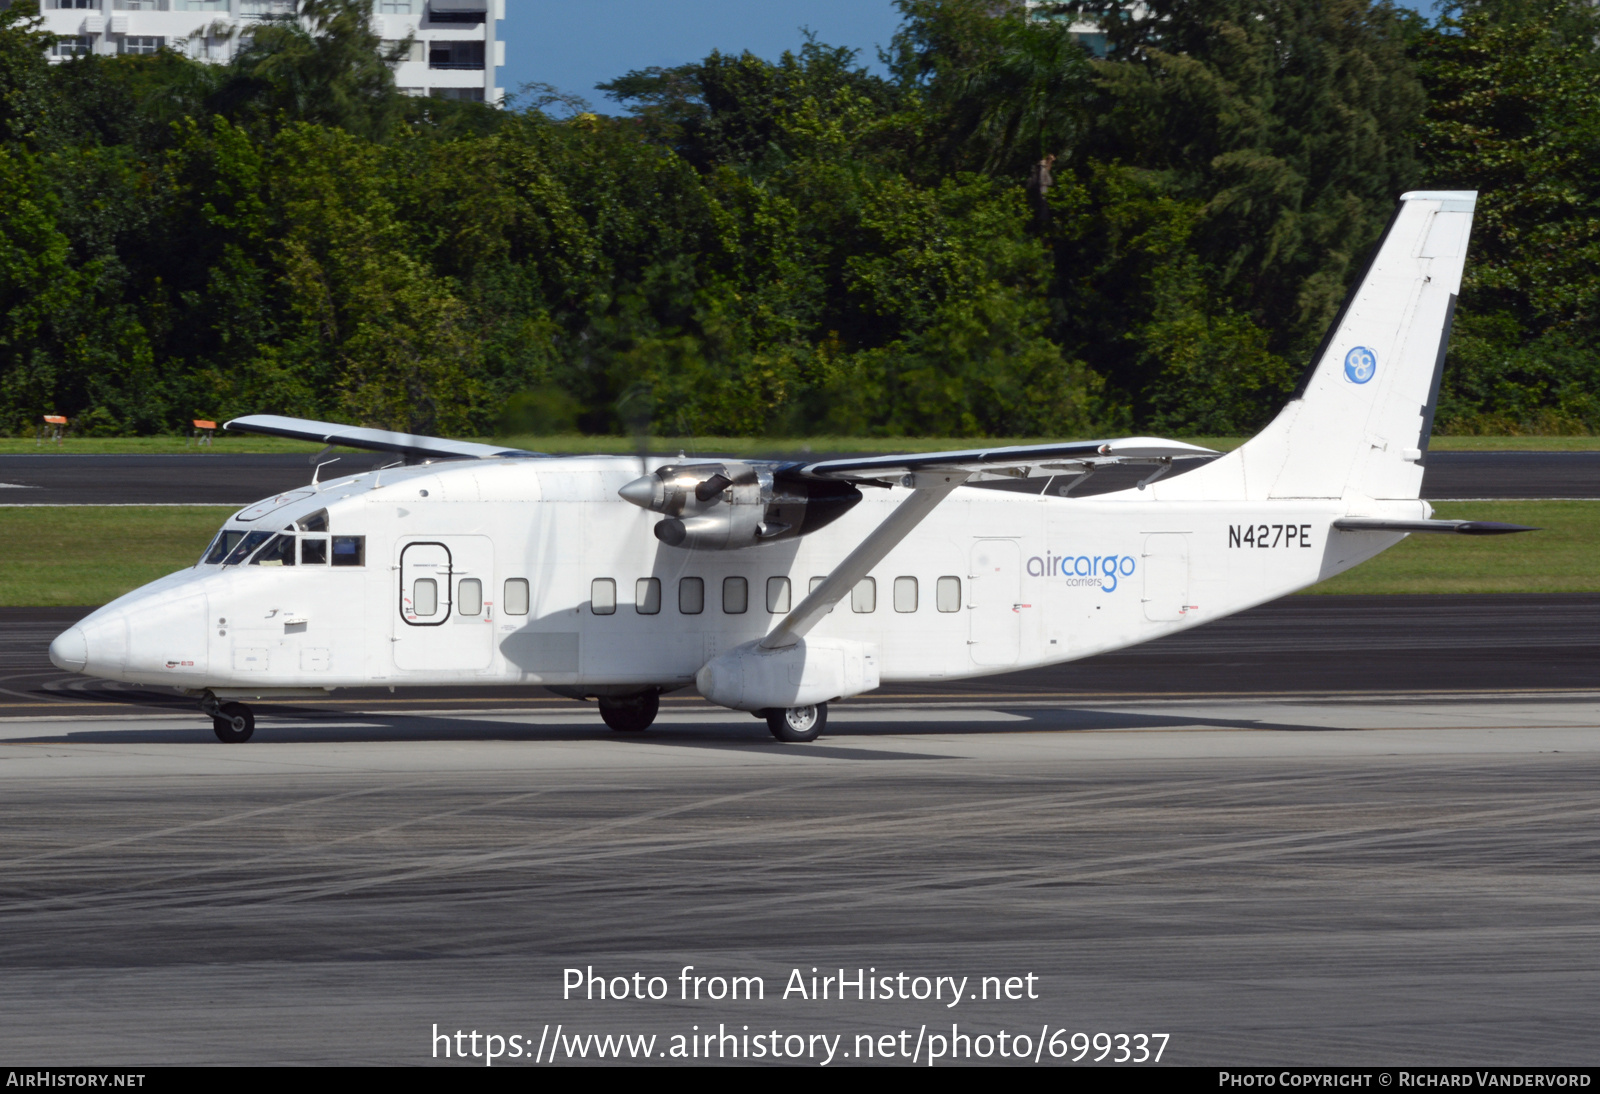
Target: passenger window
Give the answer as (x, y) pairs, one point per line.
(777, 595)
(949, 594)
(225, 542)
(280, 552)
(515, 601)
(247, 547)
(349, 550)
(469, 597)
(313, 551)
(864, 597)
(603, 596)
(316, 522)
(735, 595)
(691, 596)
(814, 583)
(424, 597)
(905, 594)
(647, 595)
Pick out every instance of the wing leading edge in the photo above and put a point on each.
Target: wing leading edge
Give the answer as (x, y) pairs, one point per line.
(376, 440)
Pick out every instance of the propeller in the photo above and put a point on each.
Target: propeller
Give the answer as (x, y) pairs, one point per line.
(636, 407)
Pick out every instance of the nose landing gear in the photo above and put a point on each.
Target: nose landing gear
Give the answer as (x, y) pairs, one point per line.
(233, 723)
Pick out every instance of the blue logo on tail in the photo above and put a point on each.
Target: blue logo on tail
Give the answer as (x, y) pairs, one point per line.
(1360, 364)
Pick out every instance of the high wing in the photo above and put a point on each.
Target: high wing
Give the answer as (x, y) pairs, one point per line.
(1017, 461)
(409, 445)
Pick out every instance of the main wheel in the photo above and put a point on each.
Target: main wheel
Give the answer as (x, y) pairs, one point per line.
(633, 714)
(233, 723)
(797, 725)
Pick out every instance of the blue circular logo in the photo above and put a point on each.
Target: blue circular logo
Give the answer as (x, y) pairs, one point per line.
(1360, 364)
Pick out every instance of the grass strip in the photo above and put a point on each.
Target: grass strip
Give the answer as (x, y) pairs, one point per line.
(91, 554)
(54, 557)
(1560, 558)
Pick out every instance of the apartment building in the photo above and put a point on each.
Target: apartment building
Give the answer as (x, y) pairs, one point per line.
(455, 51)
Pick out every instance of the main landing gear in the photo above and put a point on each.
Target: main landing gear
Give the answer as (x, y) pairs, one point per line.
(233, 723)
(631, 714)
(797, 725)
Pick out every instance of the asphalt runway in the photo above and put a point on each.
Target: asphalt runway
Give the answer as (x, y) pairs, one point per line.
(222, 479)
(1365, 882)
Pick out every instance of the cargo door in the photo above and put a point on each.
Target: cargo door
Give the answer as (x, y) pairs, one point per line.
(994, 593)
(1166, 576)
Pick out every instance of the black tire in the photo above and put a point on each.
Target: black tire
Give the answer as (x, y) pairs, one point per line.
(633, 714)
(797, 725)
(234, 723)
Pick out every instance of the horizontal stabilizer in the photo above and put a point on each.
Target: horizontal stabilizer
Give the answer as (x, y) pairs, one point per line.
(1459, 527)
(1016, 461)
(376, 440)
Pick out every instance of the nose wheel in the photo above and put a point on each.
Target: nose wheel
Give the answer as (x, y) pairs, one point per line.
(797, 725)
(233, 723)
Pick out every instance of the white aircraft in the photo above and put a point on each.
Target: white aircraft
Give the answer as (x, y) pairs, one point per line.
(778, 587)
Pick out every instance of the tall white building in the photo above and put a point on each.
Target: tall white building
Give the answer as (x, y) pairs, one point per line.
(455, 51)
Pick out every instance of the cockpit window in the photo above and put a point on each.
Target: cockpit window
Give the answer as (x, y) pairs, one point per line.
(280, 552)
(226, 541)
(349, 550)
(315, 522)
(246, 547)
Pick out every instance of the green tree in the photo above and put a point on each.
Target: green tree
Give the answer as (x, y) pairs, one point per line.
(325, 65)
(1514, 113)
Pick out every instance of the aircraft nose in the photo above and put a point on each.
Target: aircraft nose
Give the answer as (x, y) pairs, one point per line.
(70, 650)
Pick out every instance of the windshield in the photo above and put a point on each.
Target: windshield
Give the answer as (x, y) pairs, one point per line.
(280, 552)
(226, 541)
(246, 547)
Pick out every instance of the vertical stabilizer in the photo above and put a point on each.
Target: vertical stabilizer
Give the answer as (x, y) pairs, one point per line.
(1359, 425)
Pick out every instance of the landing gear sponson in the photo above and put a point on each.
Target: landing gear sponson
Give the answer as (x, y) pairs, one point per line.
(636, 713)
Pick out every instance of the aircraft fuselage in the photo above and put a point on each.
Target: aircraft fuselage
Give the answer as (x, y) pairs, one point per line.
(534, 571)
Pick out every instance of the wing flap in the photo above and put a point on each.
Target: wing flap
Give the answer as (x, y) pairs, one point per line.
(1015, 461)
(375, 440)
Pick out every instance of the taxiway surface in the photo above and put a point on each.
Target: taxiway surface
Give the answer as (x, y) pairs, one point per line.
(1267, 881)
(223, 479)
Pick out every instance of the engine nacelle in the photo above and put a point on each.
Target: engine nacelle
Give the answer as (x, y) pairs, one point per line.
(729, 505)
(814, 670)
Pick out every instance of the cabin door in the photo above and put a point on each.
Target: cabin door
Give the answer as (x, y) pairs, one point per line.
(994, 592)
(445, 606)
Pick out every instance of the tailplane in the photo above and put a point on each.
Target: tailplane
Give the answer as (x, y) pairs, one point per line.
(1359, 424)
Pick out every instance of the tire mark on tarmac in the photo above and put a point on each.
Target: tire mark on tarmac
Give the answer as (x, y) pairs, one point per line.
(986, 818)
(641, 844)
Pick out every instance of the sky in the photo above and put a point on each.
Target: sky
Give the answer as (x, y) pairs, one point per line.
(577, 45)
